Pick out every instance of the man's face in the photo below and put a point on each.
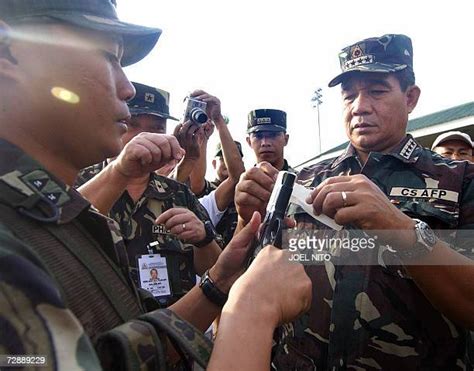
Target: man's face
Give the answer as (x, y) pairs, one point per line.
(376, 110)
(73, 91)
(268, 145)
(455, 150)
(221, 170)
(144, 123)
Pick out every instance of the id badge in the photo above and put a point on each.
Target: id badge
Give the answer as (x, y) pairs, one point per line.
(154, 275)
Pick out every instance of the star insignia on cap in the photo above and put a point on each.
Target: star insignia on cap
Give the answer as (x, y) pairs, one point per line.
(149, 97)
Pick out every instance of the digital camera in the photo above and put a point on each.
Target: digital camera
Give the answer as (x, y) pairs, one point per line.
(195, 110)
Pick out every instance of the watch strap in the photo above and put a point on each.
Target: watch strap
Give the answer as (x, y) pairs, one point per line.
(211, 291)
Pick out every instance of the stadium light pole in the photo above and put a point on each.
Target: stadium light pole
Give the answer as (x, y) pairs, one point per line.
(317, 101)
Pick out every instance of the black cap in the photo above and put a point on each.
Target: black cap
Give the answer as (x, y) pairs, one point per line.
(385, 54)
(150, 101)
(98, 15)
(219, 149)
(266, 120)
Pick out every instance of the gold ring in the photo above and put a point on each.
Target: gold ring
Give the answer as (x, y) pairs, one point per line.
(344, 199)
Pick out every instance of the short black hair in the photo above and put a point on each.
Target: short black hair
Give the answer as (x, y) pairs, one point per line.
(405, 77)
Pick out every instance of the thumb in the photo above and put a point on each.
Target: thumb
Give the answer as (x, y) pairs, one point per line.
(247, 234)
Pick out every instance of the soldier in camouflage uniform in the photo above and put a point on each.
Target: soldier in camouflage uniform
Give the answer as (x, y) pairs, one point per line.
(411, 308)
(184, 236)
(267, 137)
(62, 293)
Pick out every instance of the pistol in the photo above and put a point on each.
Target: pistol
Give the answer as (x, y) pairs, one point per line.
(272, 226)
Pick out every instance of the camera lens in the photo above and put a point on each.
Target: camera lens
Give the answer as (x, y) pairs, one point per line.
(198, 116)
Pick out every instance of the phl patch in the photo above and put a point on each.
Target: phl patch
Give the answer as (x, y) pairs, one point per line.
(439, 194)
(159, 229)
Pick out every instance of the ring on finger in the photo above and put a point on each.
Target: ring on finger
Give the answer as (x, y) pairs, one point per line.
(344, 199)
(184, 226)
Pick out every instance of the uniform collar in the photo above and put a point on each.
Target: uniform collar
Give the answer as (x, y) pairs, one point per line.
(408, 151)
(40, 191)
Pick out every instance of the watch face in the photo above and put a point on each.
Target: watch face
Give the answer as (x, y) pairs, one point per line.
(427, 234)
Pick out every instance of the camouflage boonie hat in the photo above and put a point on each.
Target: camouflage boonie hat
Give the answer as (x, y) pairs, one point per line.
(266, 120)
(385, 54)
(97, 15)
(219, 149)
(150, 101)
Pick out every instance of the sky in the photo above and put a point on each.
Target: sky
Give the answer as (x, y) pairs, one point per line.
(275, 54)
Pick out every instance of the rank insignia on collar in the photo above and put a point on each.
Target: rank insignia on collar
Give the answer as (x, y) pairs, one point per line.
(408, 149)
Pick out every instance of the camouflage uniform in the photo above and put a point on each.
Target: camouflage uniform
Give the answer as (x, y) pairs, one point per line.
(136, 221)
(374, 317)
(54, 250)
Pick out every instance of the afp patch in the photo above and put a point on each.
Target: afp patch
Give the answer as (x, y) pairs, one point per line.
(439, 194)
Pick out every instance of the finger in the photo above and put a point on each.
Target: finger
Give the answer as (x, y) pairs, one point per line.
(179, 220)
(348, 215)
(260, 177)
(332, 203)
(252, 189)
(336, 188)
(268, 169)
(168, 214)
(289, 222)
(243, 239)
(328, 181)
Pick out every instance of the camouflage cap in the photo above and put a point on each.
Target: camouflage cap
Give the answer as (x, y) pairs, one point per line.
(385, 54)
(150, 101)
(266, 120)
(219, 149)
(98, 15)
(452, 135)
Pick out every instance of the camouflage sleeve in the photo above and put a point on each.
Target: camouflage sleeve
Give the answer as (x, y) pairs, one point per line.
(195, 206)
(208, 188)
(34, 319)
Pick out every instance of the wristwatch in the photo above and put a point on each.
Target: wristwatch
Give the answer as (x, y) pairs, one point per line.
(211, 291)
(425, 241)
(210, 234)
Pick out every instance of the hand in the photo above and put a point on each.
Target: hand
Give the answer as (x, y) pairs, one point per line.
(208, 129)
(188, 135)
(146, 153)
(213, 108)
(366, 206)
(280, 289)
(254, 189)
(233, 259)
(183, 223)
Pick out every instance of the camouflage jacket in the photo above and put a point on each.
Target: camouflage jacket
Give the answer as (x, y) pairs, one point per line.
(374, 317)
(62, 295)
(136, 221)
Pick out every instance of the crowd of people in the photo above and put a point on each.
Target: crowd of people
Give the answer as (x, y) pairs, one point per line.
(117, 253)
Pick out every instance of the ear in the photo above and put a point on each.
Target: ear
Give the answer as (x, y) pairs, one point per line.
(412, 95)
(287, 136)
(248, 141)
(214, 164)
(8, 64)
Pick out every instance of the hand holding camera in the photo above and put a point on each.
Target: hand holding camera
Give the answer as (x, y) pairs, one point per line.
(211, 105)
